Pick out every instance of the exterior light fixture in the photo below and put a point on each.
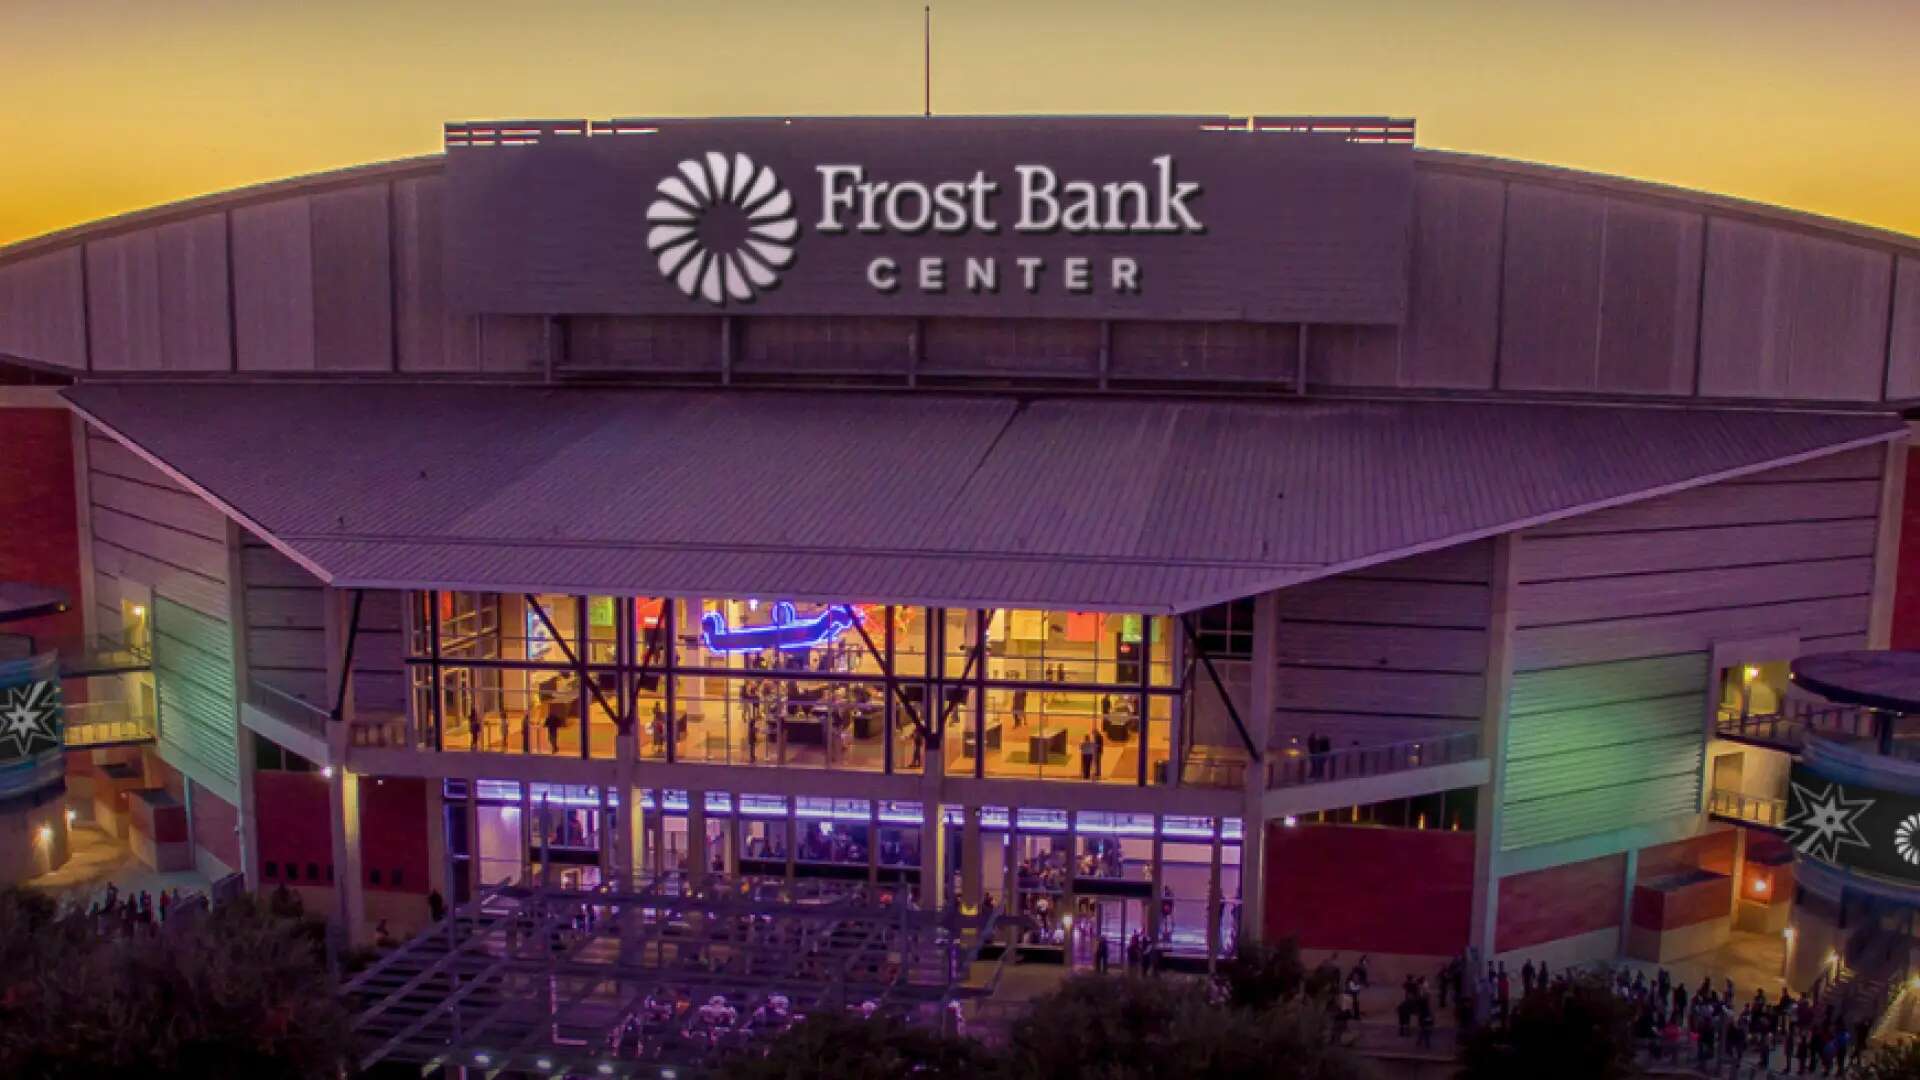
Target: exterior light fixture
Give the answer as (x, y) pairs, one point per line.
(139, 611)
(1751, 673)
(46, 834)
(606, 1068)
(1289, 821)
(482, 1058)
(326, 771)
(70, 816)
(544, 1064)
(1760, 886)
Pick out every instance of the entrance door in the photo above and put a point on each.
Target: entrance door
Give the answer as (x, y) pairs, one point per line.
(1728, 771)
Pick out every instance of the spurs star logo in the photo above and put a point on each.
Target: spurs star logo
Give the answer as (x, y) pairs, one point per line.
(1824, 820)
(29, 719)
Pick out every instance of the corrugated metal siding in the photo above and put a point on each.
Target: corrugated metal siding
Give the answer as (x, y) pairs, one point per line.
(1059, 502)
(1618, 613)
(286, 633)
(1395, 652)
(194, 676)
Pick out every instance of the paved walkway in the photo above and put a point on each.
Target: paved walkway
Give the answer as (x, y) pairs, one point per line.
(98, 860)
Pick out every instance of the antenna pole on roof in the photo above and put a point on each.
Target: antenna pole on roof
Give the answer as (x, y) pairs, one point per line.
(926, 58)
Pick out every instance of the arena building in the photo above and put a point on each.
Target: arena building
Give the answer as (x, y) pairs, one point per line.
(1190, 525)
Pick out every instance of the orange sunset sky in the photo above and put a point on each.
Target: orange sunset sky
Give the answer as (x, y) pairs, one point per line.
(112, 106)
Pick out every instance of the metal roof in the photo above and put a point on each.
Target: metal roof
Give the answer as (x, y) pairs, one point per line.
(1081, 502)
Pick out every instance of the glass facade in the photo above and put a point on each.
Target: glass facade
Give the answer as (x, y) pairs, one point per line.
(1055, 695)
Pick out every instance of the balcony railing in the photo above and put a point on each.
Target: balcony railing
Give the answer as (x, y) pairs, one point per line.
(290, 709)
(1790, 726)
(1762, 810)
(1297, 767)
(106, 723)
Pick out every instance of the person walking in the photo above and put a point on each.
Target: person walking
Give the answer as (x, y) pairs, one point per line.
(1100, 949)
(1099, 752)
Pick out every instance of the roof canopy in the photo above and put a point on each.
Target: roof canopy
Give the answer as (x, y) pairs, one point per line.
(1083, 503)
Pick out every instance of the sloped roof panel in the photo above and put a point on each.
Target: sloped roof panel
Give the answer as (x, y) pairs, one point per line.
(1082, 502)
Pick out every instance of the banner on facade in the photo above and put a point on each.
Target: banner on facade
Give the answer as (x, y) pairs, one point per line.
(31, 719)
(1853, 826)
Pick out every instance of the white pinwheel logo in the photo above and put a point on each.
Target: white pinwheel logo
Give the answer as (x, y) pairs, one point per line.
(741, 266)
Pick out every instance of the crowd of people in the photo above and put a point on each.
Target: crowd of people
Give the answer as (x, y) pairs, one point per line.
(131, 913)
(1712, 1026)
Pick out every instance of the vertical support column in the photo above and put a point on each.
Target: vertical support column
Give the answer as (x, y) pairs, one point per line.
(697, 840)
(933, 844)
(1626, 894)
(1264, 671)
(793, 844)
(473, 840)
(1070, 898)
(343, 787)
(437, 880)
(1156, 872)
(249, 838)
(526, 833)
(873, 847)
(1886, 548)
(933, 768)
(972, 859)
(1493, 736)
(1216, 900)
(1177, 704)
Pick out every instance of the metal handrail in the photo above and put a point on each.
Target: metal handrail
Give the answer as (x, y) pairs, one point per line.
(1295, 767)
(1794, 720)
(1755, 809)
(288, 708)
(98, 723)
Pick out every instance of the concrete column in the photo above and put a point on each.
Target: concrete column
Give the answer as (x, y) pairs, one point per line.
(1886, 548)
(343, 786)
(933, 833)
(1493, 734)
(437, 840)
(249, 813)
(1214, 897)
(1626, 898)
(625, 845)
(1156, 873)
(971, 859)
(697, 840)
(473, 840)
(933, 838)
(343, 808)
(1264, 673)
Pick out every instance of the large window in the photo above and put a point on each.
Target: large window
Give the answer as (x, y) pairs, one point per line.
(746, 681)
(1226, 630)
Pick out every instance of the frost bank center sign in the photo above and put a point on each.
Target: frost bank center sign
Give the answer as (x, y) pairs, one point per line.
(1158, 220)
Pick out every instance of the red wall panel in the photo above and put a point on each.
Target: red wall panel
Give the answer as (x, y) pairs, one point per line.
(1560, 902)
(1371, 889)
(393, 833)
(292, 818)
(214, 822)
(1710, 851)
(1906, 586)
(41, 541)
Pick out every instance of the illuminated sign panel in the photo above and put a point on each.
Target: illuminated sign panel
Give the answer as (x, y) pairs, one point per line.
(1059, 218)
(1854, 826)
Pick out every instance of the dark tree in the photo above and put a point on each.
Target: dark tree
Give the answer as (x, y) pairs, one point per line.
(1125, 1028)
(842, 1046)
(1578, 1030)
(236, 991)
(1891, 1061)
(1257, 976)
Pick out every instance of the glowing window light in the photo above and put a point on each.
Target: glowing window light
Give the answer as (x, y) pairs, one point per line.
(786, 631)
